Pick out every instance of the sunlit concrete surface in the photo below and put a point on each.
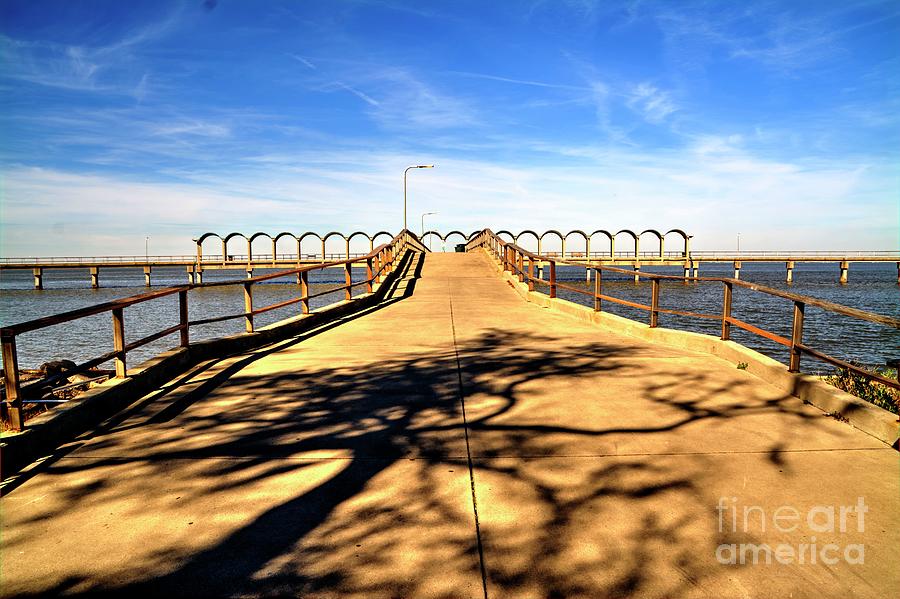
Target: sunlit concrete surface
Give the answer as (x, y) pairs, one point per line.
(456, 442)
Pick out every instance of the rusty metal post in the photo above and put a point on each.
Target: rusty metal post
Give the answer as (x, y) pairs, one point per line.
(553, 278)
(654, 303)
(304, 291)
(530, 273)
(11, 382)
(368, 275)
(248, 306)
(726, 312)
(598, 289)
(348, 280)
(796, 336)
(183, 318)
(118, 321)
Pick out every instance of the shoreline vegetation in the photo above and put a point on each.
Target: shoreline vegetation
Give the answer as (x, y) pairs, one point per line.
(867, 390)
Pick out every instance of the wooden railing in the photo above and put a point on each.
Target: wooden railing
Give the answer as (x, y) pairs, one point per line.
(522, 264)
(379, 263)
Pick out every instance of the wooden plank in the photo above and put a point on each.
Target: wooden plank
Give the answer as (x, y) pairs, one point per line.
(761, 332)
(118, 321)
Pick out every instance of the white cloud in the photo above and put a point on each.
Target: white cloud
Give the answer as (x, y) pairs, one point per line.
(653, 104)
(711, 189)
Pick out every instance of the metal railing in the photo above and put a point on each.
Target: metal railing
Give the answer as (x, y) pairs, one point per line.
(522, 264)
(379, 263)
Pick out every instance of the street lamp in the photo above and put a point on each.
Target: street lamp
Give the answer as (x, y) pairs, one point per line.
(147, 248)
(423, 221)
(404, 187)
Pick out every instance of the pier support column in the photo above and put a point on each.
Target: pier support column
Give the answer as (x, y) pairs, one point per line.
(540, 271)
(147, 270)
(587, 275)
(190, 274)
(637, 267)
(737, 269)
(38, 278)
(898, 273)
(790, 272)
(845, 267)
(695, 266)
(198, 276)
(687, 270)
(95, 277)
(249, 273)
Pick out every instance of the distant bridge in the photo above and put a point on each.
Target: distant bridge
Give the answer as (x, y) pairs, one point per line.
(620, 248)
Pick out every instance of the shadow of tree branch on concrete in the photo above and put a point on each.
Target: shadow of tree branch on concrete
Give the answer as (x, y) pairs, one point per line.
(353, 479)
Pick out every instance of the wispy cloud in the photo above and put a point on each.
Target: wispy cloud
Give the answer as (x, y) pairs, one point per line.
(102, 68)
(341, 85)
(303, 61)
(521, 81)
(652, 103)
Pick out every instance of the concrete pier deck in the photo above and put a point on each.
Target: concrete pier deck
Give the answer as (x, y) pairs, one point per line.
(457, 441)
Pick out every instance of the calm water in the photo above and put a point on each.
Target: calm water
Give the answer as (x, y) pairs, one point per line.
(872, 287)
(81, 340)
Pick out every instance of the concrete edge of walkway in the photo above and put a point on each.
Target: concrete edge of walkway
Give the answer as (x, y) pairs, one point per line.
(48, 431)
(860, 414)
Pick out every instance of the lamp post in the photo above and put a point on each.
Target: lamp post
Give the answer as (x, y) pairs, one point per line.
(424, 214)
(404, 186)
(147, 249)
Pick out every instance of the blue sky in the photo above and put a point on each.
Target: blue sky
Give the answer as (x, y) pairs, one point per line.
(776, 120)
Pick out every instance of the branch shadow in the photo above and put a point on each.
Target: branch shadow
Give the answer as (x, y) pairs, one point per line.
(354, 479)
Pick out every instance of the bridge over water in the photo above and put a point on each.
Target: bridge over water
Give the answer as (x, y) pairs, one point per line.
(458, 436)
(620, 248)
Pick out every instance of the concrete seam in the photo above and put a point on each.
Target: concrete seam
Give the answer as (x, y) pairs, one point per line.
(462, 402)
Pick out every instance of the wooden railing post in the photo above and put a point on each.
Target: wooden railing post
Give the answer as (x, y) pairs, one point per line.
(530, 273)
(654, 303)
(348, 280)
(118, 321)
(598, 289)
(183, 318)
(248, 306)
(11, 382)
(726, 312)
(796, 336)
(369, 275)
(521, 266)
(552, 278)
(304, 291)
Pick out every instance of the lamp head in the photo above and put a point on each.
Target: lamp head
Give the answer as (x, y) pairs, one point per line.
(425, 166)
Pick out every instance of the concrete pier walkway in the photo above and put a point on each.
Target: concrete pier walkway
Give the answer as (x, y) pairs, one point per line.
(457, 441)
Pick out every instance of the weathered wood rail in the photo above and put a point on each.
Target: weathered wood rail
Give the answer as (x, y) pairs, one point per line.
(378, 264)
(525, 265)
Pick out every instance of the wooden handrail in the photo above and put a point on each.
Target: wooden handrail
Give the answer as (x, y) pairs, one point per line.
(379, 262)
(512, 258)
